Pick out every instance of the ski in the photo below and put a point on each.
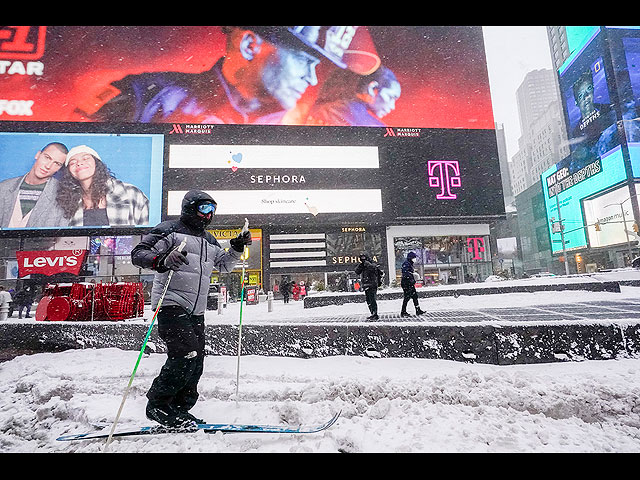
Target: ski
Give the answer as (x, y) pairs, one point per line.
(207, 428)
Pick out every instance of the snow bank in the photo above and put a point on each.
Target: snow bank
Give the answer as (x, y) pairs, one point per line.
(388, 405)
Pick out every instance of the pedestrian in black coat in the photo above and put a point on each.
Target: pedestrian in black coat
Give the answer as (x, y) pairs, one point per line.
(408, 284)
(371, 278)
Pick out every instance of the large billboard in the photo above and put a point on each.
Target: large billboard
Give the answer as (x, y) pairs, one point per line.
(589, 105)
(306, 176)
(56, 179)
(625, 56)
(568, 187)
(398, 76)
(296, 125)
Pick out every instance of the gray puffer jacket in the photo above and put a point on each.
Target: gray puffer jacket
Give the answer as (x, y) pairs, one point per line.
(189, 285)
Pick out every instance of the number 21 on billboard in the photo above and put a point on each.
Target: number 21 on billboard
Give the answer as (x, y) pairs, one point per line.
(22, 42)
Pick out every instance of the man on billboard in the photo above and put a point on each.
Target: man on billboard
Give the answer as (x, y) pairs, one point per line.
(349, 99)
(29, 200)
(597, 123)
(263, 74)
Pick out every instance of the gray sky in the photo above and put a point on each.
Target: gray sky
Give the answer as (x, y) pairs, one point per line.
(512, 52)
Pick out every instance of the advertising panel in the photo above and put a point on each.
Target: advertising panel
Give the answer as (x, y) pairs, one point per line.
(613, 214)
(308, 176)
(397, 76)
(589, 113)
(61, 180)
(625, 55)
(567, 184)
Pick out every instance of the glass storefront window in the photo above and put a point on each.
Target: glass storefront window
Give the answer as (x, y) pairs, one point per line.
(445, 259)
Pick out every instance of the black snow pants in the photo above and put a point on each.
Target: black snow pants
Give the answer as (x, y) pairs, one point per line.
(177, 384)
(410, 293)
(370, 297)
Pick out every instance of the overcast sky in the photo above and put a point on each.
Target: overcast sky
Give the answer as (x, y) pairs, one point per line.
(512, 52)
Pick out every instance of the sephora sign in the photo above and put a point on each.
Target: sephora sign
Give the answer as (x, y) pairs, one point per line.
(50, 262)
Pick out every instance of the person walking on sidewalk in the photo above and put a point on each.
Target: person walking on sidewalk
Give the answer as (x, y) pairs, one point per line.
(181, 318)
(408, 284)
(371, 278)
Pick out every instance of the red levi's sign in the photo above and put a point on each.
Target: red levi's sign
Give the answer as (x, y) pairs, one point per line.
(49, 262)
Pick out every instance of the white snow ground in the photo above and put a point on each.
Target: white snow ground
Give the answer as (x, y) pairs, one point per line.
(388, 405)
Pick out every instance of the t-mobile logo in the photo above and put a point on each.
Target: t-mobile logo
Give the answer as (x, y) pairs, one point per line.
(444, 174)
(475, 245)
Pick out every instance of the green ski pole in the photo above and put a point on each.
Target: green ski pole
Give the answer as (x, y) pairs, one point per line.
(244, 229)
(144, 344)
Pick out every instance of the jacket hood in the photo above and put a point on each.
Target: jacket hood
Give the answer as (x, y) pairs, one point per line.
(189, 213)
(411, 255)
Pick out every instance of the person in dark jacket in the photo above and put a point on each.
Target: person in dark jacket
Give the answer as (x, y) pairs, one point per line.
(408, 284)
(285, 289)
(181, 317)
(371, 278)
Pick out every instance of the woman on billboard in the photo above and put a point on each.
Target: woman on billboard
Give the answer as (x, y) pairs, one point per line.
(89, 194)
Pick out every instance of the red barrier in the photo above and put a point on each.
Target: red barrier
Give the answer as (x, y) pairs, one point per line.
(91, 301)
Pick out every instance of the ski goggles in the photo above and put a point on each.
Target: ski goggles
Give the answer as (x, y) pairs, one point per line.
(207, 208)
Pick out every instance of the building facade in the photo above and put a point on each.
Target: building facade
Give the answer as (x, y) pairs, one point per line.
(420, 174)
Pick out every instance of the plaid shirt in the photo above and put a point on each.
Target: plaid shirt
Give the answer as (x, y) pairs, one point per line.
(126, 205)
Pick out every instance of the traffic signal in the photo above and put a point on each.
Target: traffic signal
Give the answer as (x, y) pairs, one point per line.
(598, 228)
(635, 227)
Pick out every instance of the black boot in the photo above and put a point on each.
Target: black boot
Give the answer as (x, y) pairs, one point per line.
(404, 314)
(190, 417)
(167, 416)
(419, 312)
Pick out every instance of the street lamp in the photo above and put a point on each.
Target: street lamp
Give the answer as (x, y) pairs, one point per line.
(564, 245)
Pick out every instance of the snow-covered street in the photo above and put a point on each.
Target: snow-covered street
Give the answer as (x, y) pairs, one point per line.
(388, 405)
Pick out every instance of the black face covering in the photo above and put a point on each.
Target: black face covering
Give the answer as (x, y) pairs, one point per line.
(190, 214)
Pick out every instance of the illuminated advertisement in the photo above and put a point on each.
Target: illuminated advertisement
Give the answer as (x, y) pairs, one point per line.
(391, 76)
(567, 186)
(59, 180)
(307, 176)
(625, 53)
(613, 215)
(589, 113)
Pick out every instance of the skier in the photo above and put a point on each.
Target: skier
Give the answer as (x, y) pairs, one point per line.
(408, 284)
(181, 318)
(371, 275)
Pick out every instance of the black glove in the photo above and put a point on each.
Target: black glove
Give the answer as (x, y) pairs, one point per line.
(240, 241)
(175, 259)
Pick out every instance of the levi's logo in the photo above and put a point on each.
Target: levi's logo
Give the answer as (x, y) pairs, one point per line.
(23, 42)
(51, 261)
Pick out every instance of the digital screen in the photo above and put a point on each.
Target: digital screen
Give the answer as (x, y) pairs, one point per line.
(395, 76)
(309, 176)
(625, 56)
(566, 185)
(589, 111)
(120, 181)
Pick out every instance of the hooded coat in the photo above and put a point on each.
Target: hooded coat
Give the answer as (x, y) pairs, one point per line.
(407, 271)
(369, 271)
(189, 285)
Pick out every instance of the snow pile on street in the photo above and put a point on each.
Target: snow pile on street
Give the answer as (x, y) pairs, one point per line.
(388, 405)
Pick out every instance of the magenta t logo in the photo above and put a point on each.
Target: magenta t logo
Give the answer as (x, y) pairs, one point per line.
(476, 248)
(444, 174)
